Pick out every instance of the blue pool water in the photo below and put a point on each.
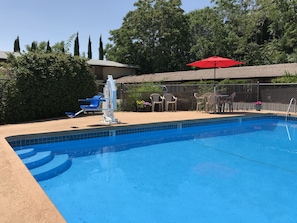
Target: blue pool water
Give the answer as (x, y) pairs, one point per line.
(242, 171)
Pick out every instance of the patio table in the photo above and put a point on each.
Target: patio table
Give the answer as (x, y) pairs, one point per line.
(220, 102)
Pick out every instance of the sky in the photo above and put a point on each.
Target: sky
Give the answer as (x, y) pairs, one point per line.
(58, 20)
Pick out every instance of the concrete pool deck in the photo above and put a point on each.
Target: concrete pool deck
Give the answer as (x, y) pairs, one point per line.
(23, 200)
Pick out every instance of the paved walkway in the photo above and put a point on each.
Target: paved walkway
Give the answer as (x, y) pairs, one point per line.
(22, 199)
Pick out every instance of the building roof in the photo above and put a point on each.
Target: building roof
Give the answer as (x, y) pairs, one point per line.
(92, 62)
(106, 63)
(242, 72)
(3, 54)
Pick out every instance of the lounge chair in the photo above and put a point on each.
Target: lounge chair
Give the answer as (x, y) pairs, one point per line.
(170, 100)
(156, 99)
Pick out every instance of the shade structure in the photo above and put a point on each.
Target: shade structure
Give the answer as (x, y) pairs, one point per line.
(215, 62)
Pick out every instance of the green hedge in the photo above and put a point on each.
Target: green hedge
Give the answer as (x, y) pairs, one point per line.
(45, 85)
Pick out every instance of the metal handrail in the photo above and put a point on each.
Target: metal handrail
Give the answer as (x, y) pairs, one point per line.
(291, 102)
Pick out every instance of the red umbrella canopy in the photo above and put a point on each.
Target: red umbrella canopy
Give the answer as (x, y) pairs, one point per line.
(214, 62)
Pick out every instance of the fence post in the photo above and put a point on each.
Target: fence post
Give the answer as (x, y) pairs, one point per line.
(258, 91)
(122, 93)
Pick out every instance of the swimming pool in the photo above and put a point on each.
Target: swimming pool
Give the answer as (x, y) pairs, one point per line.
(236, 170)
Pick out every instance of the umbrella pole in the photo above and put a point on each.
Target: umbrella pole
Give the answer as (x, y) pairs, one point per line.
(214, 81)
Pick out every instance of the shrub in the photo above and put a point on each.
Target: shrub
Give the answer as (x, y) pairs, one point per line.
(141, 92)
(287, 78)
(45, 86)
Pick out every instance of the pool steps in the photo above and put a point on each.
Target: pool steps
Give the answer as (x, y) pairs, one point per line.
(24, 153)
(38, 159)
(44, 165)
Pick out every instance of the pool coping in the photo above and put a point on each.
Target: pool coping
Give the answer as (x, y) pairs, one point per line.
(60, 136)
(29, 200)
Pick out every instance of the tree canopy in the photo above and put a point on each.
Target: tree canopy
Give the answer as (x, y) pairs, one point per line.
(158, 36)
(154, 37)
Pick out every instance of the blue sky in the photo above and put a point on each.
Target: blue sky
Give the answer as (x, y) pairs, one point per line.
(57, 20)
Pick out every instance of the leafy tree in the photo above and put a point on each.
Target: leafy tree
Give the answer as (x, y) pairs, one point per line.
(283, 28)
(16, 47)
(155, 37)
(242, 25)
(59, 47)
(37, 47)
(208, 35)
(263, 31)
(101, 54)
(62, 46)
(76, 46)
(90, 48)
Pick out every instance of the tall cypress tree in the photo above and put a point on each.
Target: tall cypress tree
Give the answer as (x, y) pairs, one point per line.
(100, 49)
(48, 47)
(90, 48)
(34, 46)
(76, 46)
(16, 47)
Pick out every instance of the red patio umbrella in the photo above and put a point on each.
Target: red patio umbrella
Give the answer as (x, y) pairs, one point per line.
(214, 62)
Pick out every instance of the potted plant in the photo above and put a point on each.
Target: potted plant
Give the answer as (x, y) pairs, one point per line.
(258, 105)
(143, 105)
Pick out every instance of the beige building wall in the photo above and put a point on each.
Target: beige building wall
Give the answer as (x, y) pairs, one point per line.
(117, 72)
(101, 73)
(98, 72)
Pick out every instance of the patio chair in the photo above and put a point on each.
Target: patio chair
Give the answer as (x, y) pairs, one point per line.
(170, 99)
(229, 101)
(200, 102)
(205, 97)
(156, 99)
(211, 103)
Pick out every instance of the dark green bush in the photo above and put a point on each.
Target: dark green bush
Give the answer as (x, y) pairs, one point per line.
(287, 78)
(45, 86)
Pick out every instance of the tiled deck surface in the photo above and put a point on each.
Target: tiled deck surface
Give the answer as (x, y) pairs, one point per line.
(21, 197)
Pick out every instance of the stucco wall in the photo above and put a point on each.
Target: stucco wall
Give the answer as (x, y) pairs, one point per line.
(117, 72)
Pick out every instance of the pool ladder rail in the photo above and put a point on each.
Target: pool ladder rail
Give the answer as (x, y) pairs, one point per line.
(292, 100)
